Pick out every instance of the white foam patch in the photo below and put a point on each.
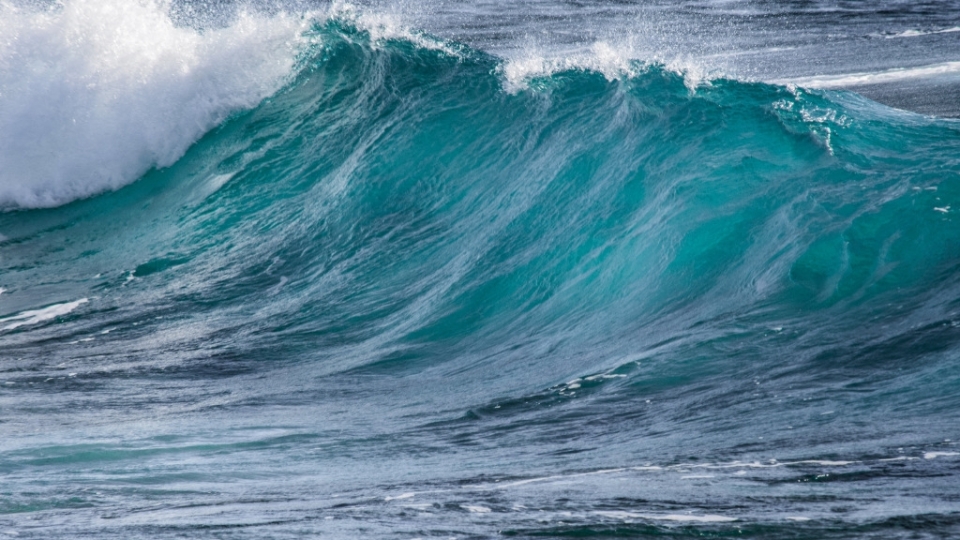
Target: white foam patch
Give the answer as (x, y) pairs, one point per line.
(400, 497)
(918, 33)
(707, 518)
(935, 455)
(93, 93)
(210, 186)
(879, 77)
(476, 509)
(418, 506)
(821, 462)
(35, 316)
(604, 376)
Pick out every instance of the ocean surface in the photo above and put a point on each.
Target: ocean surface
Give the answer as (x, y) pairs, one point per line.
(444, 269)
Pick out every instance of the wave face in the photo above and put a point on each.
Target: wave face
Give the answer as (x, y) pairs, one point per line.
(404, 296)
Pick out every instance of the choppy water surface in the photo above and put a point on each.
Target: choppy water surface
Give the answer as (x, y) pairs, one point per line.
(449, 270)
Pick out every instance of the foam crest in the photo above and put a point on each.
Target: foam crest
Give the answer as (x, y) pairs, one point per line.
(385, 26)
(94, 93)
(602, 57)
(612, 60)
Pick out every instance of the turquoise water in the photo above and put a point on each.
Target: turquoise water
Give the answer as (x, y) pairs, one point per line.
(410, 295)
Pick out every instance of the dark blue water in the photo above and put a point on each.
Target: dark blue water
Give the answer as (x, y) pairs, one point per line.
(278, 273)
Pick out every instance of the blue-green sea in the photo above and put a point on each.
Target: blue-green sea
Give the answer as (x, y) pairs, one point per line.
(277, 273)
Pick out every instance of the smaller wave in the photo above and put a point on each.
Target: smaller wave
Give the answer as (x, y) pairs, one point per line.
(871, 78)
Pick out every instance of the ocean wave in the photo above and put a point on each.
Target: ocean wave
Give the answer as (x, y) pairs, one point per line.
(98, 93)
(408, 282)
(537, 202)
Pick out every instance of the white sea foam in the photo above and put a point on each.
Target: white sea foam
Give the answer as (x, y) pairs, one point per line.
(400, 497)
(35, 316)
(604, 376)
(935, 455)
(821, 462)
(917, 33)
(93, 93)
(687, 471)
(707, 518)
(878, 77)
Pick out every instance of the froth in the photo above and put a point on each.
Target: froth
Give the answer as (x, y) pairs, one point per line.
(386, 26)
(613, 60)
(93, 93)
(601, 57)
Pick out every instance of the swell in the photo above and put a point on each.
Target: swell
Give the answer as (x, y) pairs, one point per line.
(393, 210)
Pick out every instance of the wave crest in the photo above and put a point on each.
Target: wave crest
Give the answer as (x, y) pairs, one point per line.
(97, 92)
